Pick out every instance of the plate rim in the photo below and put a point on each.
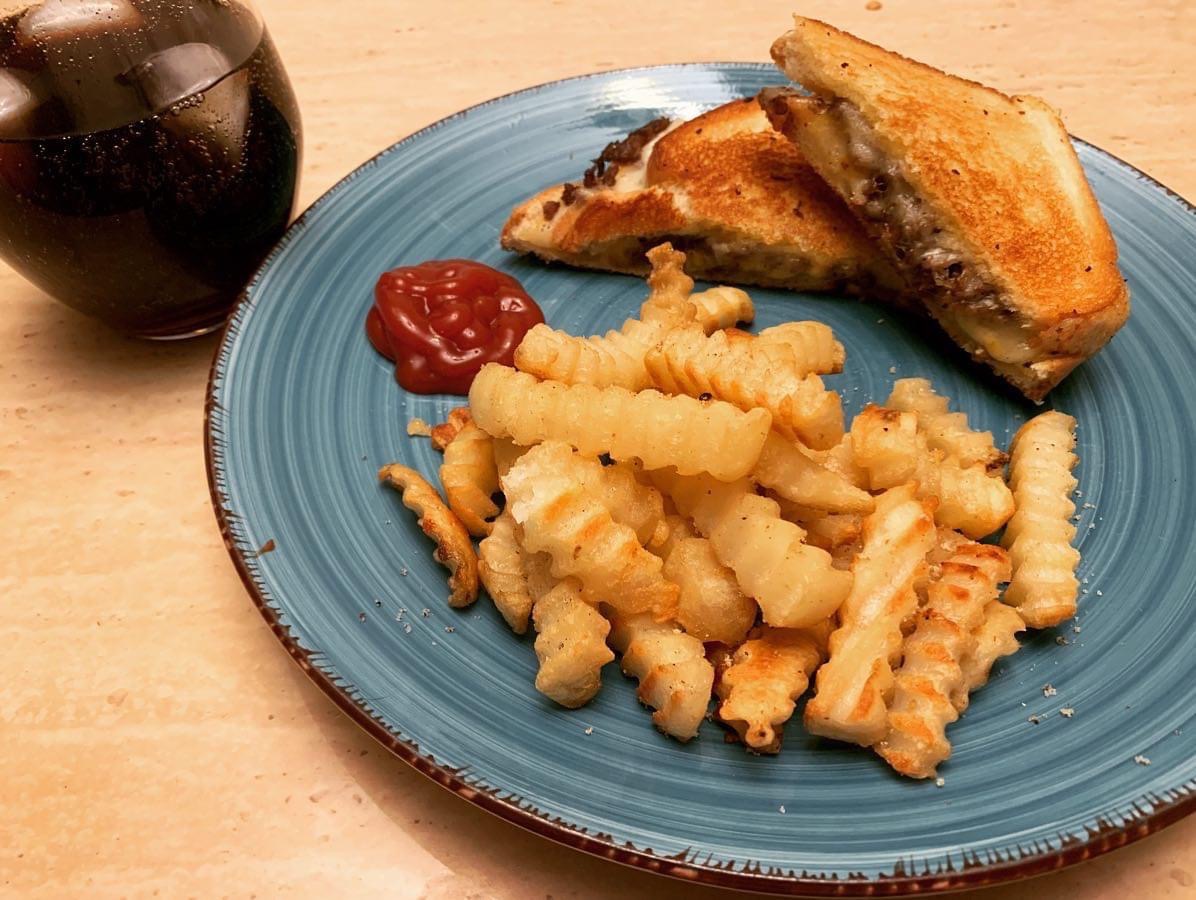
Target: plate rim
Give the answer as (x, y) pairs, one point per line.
(1106, 837)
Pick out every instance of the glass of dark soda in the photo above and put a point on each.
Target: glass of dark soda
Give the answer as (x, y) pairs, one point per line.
(149, 156)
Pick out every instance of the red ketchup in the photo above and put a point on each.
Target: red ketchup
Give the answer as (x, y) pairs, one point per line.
(442, 320)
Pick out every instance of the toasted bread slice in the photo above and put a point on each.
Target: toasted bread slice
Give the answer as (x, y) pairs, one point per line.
(977, 198)
(726, 188)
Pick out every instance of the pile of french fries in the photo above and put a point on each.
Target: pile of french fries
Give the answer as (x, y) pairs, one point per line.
(688, 496)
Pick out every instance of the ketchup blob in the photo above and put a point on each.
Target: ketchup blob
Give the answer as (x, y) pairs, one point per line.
(442, 320)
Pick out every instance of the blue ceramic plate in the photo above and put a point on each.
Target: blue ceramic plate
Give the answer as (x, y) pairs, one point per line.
(302, 413)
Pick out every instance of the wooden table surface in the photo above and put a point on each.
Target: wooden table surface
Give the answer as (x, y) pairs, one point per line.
(154, 738)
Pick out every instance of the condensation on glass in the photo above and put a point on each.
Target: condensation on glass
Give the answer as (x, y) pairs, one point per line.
(149, 155)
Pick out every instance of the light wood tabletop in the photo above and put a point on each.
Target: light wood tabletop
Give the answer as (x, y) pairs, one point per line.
(154, 737)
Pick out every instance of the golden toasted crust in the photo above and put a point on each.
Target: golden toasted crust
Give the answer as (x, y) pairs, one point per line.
(737, 173)
(999, 173)
(726, 188)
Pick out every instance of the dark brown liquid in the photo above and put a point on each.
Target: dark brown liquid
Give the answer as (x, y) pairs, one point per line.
(149, 157)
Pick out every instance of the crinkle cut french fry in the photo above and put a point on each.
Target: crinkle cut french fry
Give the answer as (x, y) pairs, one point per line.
(995, 637)
(417, 427)
(616, 358)
(840, 459)
(551, 493)
(721, 307)
(812, 342)
(638, 506)
(677, 529)
(470, 479)
(793, 583)
(538, 569)
(803, 348)
(931, 675)
(761, 685)
(887, 444)
(630, 501)
(789, 471)
(661, 431)
(669, 288)
(830, 531)
(571, 646)
(503, 571)
(506, 452)
(1039, 535)
(969, 499)
(947, 543)
(454, 549)
(711, 606)
(671, 666)
(850, 703)
(945, 430)
(751, 374)
(443, 433)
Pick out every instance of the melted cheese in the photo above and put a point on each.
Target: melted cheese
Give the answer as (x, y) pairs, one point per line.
(1002, 341)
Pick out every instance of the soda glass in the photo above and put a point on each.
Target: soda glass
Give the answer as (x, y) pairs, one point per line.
(149, 155)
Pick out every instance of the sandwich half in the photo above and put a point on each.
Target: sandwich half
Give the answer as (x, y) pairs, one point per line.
(726, 189)
(975, 197)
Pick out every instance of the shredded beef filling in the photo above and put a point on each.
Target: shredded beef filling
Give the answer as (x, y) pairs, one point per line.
(929, 258)
(727, 261)
(619, 153)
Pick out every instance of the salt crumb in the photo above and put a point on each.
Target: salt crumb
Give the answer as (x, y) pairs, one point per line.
(781, 809)
(1100, 593)
(1141, 760)
(1023, 703)
(403, 571)
(1035, 719)
(402, 612)
(449, 629)
(1048, 690)
(590, 730)
(361, 617)
(378, 604)
(406, 628)
(1061, 641)
(1087, 506)
(425, 612)
(940, 781)
(1067, 712)
(892, 370)
(1075, 629)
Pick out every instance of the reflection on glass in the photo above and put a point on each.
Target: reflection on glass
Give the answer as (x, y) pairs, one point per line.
(149, 156)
